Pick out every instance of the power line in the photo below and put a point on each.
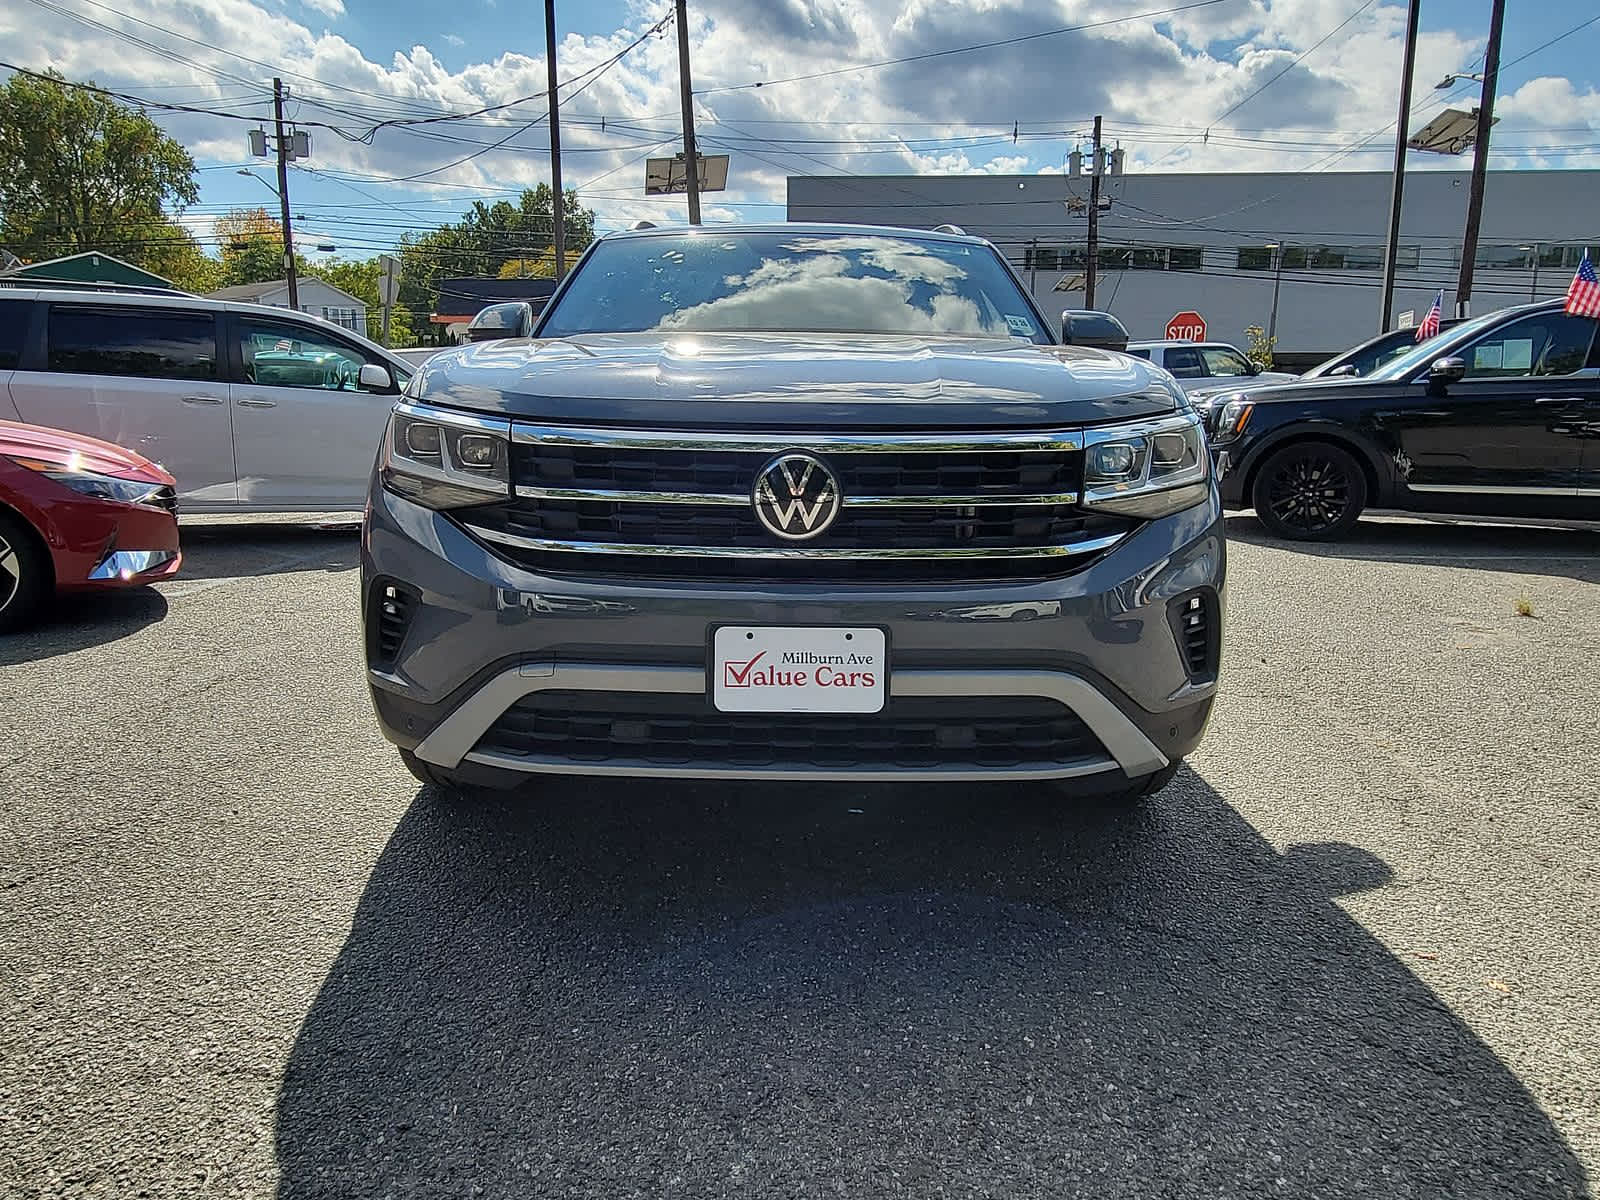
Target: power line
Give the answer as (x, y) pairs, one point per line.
(1238, 104)
(976, 46)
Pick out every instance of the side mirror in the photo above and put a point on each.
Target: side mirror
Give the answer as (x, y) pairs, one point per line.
(1344, 371)
(510, 319)
(1254, 368)
(1066, 329)
(1448, 370)
(375, 377)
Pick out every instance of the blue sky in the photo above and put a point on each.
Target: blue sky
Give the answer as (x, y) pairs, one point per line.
(1326, 72)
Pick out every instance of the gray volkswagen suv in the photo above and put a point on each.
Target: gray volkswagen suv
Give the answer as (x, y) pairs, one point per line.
(797, 502)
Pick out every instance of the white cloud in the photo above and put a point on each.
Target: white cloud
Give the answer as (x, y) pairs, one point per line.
(1159, 89)
(452, 39)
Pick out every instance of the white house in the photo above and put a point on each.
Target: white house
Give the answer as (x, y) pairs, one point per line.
(317, 297)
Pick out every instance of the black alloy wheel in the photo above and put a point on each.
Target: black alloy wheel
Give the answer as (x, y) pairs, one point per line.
(1310, 491)
(25, 575)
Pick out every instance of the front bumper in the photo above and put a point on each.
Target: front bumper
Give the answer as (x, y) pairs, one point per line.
(98, 544)
(480, 635)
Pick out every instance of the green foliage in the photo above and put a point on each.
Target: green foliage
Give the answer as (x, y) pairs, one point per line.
(360, 278)
(172, 252)
(1261, 347)
(83, 172)
(485, 240)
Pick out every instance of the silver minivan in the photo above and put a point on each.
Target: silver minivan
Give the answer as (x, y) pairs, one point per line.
(252, 409)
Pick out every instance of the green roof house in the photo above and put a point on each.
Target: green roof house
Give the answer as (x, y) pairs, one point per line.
(89, 267)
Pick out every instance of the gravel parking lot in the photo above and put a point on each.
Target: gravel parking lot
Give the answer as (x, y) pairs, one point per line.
(1352, 953)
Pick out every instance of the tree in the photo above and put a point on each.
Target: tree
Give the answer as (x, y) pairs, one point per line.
(538, 266)
(251, 240)
(360, 279)
(486, 238)
(171, 251)
(1261, 348)
(83, 172)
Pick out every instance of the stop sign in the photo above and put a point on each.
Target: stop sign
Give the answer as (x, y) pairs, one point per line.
(1187, 326)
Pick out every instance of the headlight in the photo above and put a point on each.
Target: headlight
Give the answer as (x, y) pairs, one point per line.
(92, 483)
(446, 459)
(1230, 418)
(1148, 468)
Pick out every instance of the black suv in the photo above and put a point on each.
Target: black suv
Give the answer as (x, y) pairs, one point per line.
(1497, 417)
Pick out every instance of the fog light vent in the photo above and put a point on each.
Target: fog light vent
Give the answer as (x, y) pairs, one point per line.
(1195, 622)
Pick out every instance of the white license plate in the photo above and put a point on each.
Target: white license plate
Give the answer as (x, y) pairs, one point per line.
(772, 668)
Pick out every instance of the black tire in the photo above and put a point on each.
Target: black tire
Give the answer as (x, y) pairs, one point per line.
(26, 576)
(1309, 492)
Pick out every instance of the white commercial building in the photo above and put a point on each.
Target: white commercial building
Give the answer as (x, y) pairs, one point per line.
(1220, 245)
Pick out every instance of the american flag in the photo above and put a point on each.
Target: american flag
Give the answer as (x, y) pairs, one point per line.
(1430, 323)
(1583, 297)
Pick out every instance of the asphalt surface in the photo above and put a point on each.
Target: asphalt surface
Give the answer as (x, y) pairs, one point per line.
(1351, 953)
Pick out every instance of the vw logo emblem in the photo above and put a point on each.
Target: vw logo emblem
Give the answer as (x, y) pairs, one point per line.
(796, 496)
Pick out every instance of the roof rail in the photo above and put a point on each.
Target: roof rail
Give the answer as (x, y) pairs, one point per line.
(82, 285)
(956, 229)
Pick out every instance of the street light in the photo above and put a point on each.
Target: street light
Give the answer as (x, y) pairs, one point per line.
(1276, 250)
(251, 174)
(1533, 292)
(1449, 81)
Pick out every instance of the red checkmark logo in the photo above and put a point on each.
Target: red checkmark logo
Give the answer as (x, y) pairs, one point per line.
(737, 674)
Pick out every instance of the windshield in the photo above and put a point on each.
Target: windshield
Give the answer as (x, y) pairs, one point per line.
(1425, 352)
(793, 282)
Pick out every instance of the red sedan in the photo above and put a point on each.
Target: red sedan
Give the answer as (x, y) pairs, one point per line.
(77, 514)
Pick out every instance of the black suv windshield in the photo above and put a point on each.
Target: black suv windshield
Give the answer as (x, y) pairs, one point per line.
(793, 281)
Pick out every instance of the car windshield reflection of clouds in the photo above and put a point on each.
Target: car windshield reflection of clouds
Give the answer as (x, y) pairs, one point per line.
(786, 282)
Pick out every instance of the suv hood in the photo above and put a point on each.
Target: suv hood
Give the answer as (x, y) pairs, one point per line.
(839, 381)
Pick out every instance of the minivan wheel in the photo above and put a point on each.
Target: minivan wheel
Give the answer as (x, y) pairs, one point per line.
(25, 575)
(1310, 491)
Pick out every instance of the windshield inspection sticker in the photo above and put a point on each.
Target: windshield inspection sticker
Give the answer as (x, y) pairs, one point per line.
(1020, 325)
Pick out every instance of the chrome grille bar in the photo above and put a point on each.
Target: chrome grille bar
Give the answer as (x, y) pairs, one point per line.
(816, 443)
(615, 496)
(792, 553)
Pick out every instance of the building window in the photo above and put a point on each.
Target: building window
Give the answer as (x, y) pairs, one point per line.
(1255, 258)
(345, 317)
(1185, 258)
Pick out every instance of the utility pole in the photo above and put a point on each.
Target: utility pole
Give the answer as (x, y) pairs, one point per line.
(1402, 130)
(1033, 266)
(283, 196)
(1480, 159)
(1277, 282)
(686, 86)
(1092, 259)
(557, 225)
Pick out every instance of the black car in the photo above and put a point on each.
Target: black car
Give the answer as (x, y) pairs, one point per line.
(1497, 417)
(1371, 354)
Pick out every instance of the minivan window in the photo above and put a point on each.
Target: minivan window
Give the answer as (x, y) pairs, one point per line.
(153, 343)
(278, 354)
(13, 328)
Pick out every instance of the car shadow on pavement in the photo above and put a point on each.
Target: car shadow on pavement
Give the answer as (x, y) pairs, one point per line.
(81, 621)
(235, 550)
(644, 989)
(1524, 549)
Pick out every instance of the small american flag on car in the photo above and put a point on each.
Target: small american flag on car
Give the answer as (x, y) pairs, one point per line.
(1430, 323)
(1583, 297)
